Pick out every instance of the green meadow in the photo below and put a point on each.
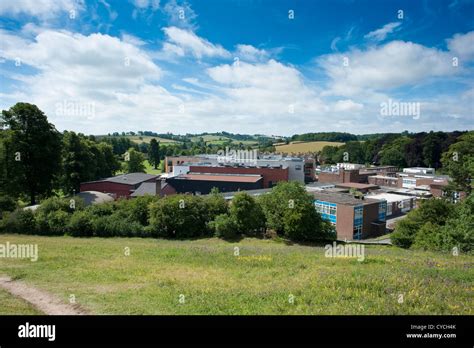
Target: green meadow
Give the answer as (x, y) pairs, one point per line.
(251, 276)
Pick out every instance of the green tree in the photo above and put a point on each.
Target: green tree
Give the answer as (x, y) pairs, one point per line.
(33, 151)
(134, 161)
(458, 162)
(434, 211)
(247, 214)
(154, 153)
(290, 212)
(78, 162)
(393, 153)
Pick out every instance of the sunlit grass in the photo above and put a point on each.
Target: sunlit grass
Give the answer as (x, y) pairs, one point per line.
(262, 280)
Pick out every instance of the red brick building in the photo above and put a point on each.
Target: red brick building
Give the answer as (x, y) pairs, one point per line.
(119, 186)
(271, 175)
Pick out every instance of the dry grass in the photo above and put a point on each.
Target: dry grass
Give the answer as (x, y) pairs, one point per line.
(304, 147)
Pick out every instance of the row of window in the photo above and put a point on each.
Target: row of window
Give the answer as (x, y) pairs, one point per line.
(327, 210)
(358, 221)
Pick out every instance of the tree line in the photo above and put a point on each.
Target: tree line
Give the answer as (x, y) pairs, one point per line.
(286, 212)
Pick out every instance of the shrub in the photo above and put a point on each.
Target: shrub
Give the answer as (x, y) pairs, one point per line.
(57, 223)
(247, 215)
(179, 216)
(115, 226)
(20, 221)
(7, 204)
(224, 226)
(215, 204)
(52, 216)
(434, 211)
(135, 209)
(81, 224)
(290, 212)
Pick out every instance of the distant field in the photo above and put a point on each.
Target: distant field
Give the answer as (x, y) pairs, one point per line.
(209, 279)
(310, 146)
(146, 139)
(219, 140)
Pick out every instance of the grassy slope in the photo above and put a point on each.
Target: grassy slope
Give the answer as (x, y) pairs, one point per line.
(301, 147)
(214, 281)
(10, 304)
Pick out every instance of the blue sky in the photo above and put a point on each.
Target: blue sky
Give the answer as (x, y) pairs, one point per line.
(249, 66)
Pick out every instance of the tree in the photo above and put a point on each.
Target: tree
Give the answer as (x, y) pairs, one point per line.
(434, 211)
(134, 161)
(290, 212)
(33, 149)
(247, 214)
(393, 153)
(78, 162)
(458, 162)
(154, 153)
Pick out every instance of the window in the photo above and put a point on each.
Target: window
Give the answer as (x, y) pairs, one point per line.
(327, 210)
(358, 221)
(357, 232)
(382, 210)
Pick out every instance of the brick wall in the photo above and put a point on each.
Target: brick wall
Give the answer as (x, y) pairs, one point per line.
(270, 175)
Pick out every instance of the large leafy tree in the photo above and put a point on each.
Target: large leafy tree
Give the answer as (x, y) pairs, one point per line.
(290, 212)
(154, 153)
(458, 162)
(78, 162)
(33, 151)
(134, 161)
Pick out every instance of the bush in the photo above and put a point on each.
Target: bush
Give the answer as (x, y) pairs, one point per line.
(434, 211)
(247, 215)
(57, 223)
(7, 204)
(115, 226)
(225, 227)
(52, 216)
(179, 216)
(135, 209)
(81, 224)
(20, 221)
(290, 212)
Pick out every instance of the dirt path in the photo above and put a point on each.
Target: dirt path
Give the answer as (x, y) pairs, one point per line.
(45, 302)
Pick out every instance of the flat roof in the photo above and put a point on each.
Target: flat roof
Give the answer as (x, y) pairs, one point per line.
(127, 179)
(341, 198)
(390, 197)
(356, 185)
(220, 177)
(258, 192)
(384, 177)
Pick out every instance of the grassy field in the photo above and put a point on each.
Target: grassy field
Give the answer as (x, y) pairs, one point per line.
(10, 304)
(208, 278)
(302, 147)
(219, 140)
(149, 169)
(147, 139)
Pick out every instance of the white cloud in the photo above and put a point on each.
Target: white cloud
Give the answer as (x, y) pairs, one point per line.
(381, 34)
(181, 41)
(145, 4)
(462, 45)
(39, 8)
(347, 105)
(94, 69)
(250, 53)
(392, 65)
(180, 14)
